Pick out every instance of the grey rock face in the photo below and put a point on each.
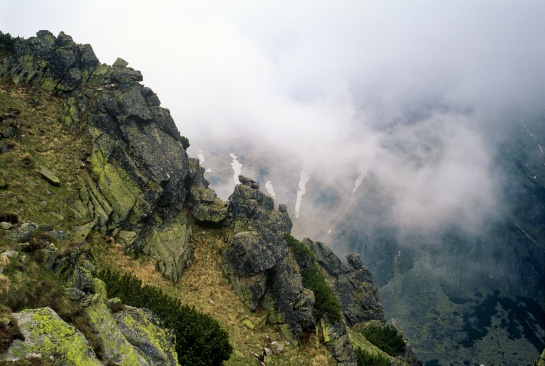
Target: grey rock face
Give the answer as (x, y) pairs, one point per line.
(293, 301)
(249, 253)
(338, 342)
(205, 206)
(138, 168)
(352, 283)
(68, 64)
(258, 263)
(145, 331)
(24, 232)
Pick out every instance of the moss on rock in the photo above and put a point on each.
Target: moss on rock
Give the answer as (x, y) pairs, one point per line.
(116, 186)
(113, 345)
(48, 336)
(145, 332)
(169, 244)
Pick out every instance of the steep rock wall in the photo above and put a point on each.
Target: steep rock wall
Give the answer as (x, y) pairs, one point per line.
(135, 184)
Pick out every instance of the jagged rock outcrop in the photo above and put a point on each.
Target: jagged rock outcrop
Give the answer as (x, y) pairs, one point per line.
(258, 263)
(57, 63)
(206, 207)
(352, 283)
(114, 346)
(138, 169)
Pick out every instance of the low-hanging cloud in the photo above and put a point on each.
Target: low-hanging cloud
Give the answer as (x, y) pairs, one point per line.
(406, 92)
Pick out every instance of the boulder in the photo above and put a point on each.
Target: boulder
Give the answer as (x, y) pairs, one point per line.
(23, 233)
(276, 348)
(146, 332)
(47, 336)
(8, 132)
(249, 288)
(249, 253)
(114, 346)
(5, 147)
(169, 243)
(49, 176)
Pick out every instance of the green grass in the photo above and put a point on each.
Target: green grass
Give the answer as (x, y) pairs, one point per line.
(299, 249)
(368, 359)
(41, 140)
(200, 340)
(326, 303)
(387, 338)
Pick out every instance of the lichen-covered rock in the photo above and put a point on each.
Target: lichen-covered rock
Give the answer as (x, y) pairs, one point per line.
(145, 331)
(338, 342)
(48, 336)
(352, 284)
(169, 243)
(249, 288)
(541, 361)
(114, 346)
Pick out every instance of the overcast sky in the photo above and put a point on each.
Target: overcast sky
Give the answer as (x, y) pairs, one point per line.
(402, 88)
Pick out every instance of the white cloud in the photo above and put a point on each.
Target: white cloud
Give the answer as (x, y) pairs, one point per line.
(406, 90)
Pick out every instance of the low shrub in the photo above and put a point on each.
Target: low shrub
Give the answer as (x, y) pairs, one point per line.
(326, 302)
(200, 340)
(7, 43)
(367, 359)
(30, 285)
(299, 249)
(9, 217)
(387, 338)
(185, 142)
(8, 329)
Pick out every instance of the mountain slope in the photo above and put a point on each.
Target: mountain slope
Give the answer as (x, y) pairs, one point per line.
(95, 176)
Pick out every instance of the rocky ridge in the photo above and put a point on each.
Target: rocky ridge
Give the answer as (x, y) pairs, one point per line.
(138, 186)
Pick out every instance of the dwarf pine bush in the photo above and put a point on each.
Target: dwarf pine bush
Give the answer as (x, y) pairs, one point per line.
(367, 359)
(326, 302)
(387, 338)
(200, 340)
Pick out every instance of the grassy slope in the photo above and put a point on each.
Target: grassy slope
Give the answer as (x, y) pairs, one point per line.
(204, 282)
(42, 139)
